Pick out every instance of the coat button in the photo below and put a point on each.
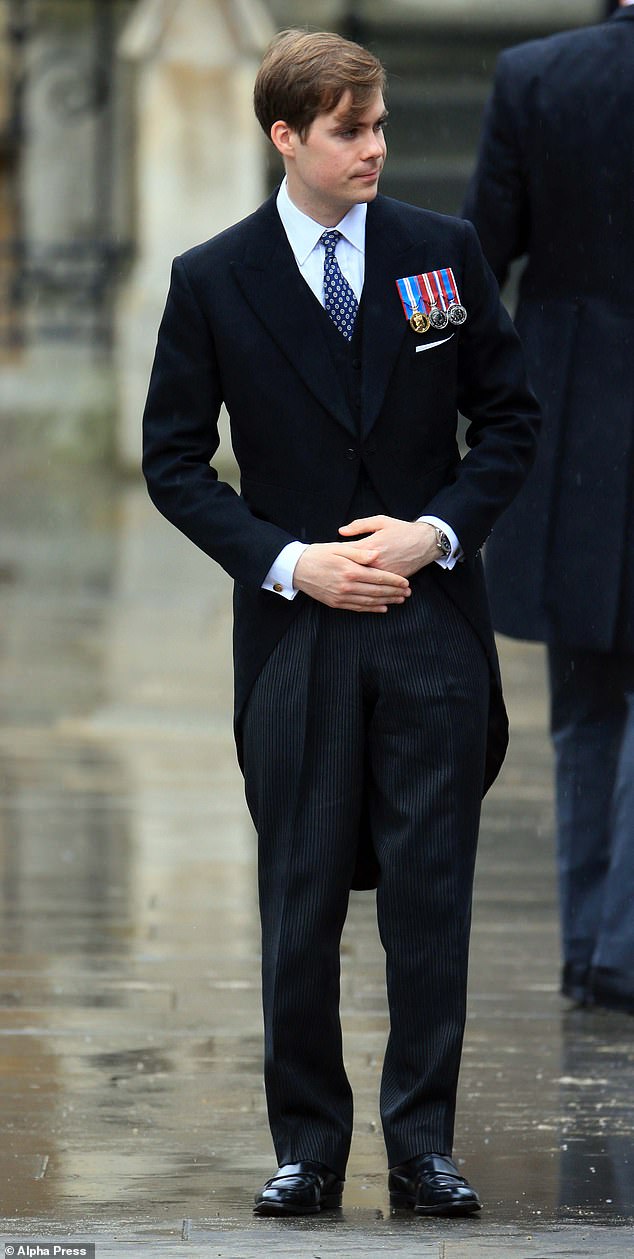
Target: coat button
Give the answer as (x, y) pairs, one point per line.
(351, 453)
(357, 364)
(278, 587)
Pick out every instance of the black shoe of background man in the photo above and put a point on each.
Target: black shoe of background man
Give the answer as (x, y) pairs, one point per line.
(300, 1189)
(611, 990)
(574, 982)
(432, 1185)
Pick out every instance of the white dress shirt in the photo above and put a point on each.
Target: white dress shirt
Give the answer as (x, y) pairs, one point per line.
(304, 239)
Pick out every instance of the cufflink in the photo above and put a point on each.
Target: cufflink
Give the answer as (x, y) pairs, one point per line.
(278, 587)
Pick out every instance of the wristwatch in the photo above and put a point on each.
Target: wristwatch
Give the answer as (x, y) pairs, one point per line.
(442, 542)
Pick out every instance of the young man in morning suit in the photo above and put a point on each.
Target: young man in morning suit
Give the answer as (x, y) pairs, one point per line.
(344, 331)
(555, 182)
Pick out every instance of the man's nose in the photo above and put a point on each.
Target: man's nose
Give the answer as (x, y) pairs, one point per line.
(375, 146)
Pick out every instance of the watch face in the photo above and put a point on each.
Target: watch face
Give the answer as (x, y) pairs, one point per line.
(444, 543)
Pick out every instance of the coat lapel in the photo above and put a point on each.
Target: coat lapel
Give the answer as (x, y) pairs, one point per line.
(274, 289)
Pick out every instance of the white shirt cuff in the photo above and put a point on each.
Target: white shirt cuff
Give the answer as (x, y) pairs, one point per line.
(279, 578)
(445, 561)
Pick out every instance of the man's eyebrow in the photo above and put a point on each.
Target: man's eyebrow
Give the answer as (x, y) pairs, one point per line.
(354, 120)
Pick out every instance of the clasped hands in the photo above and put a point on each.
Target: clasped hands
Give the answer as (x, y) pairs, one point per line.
(370, 573)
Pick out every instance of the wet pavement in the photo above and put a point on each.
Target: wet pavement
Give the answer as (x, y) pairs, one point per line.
(132, 1111)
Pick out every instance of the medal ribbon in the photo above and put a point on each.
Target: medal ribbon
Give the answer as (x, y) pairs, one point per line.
(429, 281)
(422, 292)
(449, 285)
(410, 294)
(441, 287)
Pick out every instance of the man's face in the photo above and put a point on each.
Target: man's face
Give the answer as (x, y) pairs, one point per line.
(339, 163)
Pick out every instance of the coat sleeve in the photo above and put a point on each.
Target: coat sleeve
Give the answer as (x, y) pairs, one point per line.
(180, 438)
(497, 200)
(502, 413)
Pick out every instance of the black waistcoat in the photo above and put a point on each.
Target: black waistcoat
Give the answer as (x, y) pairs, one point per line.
(348, 363)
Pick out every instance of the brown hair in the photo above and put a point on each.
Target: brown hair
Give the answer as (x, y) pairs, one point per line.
(304, 74)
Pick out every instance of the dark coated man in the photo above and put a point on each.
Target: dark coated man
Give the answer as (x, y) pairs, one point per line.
(555, 181)
(344, 331)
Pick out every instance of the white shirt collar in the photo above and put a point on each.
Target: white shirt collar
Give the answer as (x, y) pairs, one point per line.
(303, 232)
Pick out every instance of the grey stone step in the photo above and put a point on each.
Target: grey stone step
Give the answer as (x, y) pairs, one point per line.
(434, 185)
(420, 52)
(435, 118)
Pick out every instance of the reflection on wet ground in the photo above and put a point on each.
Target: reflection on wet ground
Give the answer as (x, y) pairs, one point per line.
(129, 977)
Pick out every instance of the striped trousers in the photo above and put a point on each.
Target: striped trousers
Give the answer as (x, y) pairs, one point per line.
(374, 723)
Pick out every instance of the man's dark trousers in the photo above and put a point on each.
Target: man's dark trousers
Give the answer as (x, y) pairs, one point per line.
(592, 718)
(385, 714)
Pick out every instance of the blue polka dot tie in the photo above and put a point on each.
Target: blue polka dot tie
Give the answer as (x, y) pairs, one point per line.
(339, 300)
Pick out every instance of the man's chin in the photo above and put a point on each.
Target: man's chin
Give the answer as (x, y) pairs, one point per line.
(366, 190)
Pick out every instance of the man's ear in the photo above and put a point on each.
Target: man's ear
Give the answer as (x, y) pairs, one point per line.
(284, 138)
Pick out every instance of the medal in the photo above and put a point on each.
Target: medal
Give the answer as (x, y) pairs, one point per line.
(456, 313)
(419, 322)
(438, 318)
(413, 304)
(446, 281)
(437, 304)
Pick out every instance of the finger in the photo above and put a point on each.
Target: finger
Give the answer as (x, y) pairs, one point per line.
(359, 604)
(354, 607)
(356, 603)
(374, 594)
(379, 577)
(367, 524)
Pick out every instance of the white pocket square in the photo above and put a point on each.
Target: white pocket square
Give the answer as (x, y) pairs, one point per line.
(432, 344)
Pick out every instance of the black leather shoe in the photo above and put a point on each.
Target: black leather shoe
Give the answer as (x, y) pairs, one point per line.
(432, 1185)
(300, 1189)
(574, 982)
(610, 990)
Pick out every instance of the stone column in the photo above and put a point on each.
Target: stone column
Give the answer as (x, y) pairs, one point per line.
(199, 159)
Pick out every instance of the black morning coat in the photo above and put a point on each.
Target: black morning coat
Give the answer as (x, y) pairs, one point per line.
(555, 181)
(241, 327)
